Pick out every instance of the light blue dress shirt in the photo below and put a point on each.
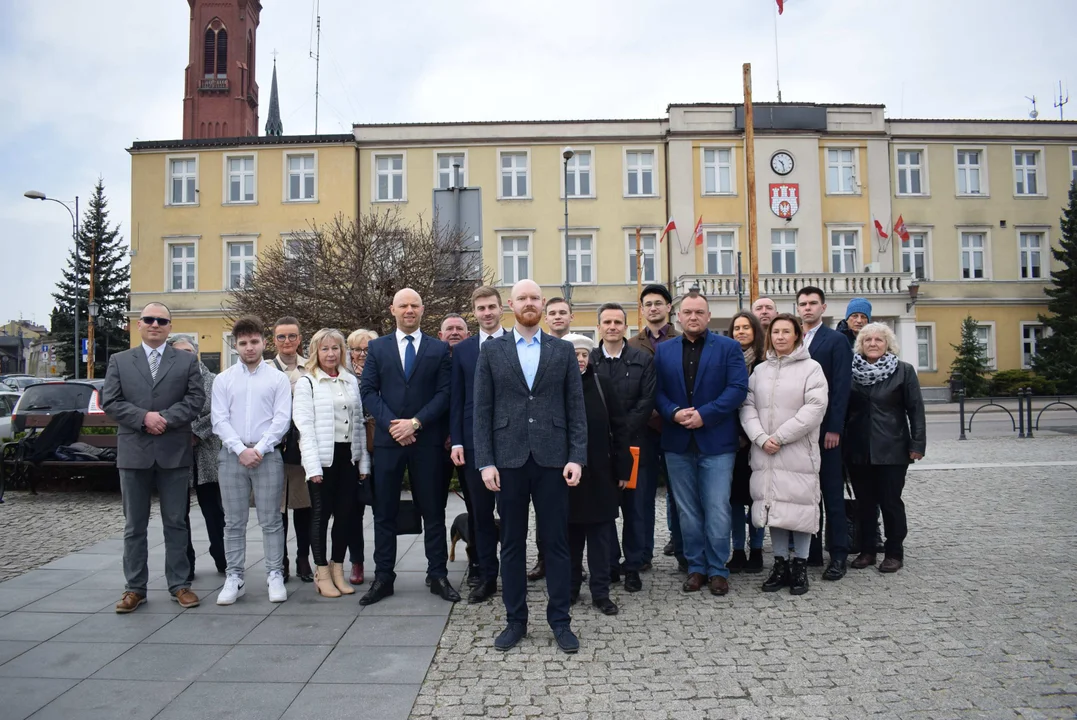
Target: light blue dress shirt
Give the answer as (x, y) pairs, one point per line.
(529, 353)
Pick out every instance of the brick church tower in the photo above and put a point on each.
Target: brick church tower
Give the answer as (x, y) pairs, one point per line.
(220, 97)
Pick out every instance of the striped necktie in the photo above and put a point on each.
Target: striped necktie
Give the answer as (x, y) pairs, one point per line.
(155, 363)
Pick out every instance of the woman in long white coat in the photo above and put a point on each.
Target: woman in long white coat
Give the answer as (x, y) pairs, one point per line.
(787, 398)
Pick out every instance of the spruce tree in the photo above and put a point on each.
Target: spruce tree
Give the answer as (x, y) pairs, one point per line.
(971, 361)
(102, 244)
(1056, 353)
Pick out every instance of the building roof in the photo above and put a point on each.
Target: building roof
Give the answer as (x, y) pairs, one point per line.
(274, 127)
(1029, 121)
(775, 104)
(509, 122)
(212, 143)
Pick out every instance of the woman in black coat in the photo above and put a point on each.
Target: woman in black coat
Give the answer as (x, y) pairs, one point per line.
(746, 330)
(593, 504)
(885, 431)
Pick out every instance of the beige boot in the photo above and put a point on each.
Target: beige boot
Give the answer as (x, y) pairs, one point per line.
(323, 582)
(336, 571)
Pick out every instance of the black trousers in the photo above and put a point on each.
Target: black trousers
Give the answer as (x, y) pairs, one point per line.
(209, 501)
(597, 538)
(302, 517)
(835, 523)
(429, 488)
(481, 514)
(880, 486)
(335, 496)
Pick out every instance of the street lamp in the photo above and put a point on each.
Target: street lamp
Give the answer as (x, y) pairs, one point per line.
(91, 325)
(566, 289)
(36, 195)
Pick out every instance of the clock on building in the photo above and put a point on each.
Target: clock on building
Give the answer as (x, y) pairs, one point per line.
(781, 162)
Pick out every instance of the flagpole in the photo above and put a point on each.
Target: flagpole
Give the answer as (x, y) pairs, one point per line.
(639, 274)
(777, 62)
(749, 159)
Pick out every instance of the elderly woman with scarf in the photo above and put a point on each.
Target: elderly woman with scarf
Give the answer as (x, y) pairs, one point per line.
(746, 330)
(885, 431)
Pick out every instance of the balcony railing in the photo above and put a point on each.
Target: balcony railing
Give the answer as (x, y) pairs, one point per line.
(787, 285)
(214, 84)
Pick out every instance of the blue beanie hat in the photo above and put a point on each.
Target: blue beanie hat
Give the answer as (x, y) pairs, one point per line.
(858, 305)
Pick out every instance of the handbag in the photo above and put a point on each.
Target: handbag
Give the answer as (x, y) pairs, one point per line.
(365, 490)
(408, 519)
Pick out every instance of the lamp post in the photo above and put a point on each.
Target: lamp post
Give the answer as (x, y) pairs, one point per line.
(91, 313)
(566, 289)
(36, 195)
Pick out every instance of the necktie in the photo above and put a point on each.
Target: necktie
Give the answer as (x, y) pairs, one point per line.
(155, 363)
(409, 356)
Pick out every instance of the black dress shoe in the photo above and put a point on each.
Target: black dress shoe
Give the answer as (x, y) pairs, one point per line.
(835, 570)
(378, 591)
(512, 634)
(566, 639)
(303, 569)
(615, 574)
(606, 606)
(668, 549)
(444, 589)
(474, 577)
(632, 581)
(682, 563)
(482, 593)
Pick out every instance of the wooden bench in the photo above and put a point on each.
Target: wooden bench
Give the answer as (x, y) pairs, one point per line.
(16, 470)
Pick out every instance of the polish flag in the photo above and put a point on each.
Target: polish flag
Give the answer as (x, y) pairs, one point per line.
(698, 234)
(669, 226)
(879, 229)
(781, 6)
(900, 230)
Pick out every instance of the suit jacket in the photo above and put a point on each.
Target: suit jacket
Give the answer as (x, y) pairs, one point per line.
(720, 388)
(387, 395)
(831, 350)
(512, 422)
(177, 394)
(465, 356)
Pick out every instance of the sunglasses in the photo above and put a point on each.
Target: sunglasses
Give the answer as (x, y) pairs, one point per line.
(287, 338)
(150, 320)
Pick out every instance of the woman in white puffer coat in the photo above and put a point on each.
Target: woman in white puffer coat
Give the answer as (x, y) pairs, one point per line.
(787, 398)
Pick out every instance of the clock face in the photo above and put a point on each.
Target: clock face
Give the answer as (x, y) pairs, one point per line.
(781, 162)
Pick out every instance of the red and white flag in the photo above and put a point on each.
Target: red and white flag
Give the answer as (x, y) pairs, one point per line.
(666, 230)
(698, 234)
(900, 230)
(879, 229)
(781, 6)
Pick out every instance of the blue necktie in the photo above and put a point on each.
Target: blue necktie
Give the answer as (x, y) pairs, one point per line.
(409, 357)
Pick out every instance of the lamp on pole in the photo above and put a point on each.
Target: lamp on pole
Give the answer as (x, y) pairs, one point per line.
(35, 195)
(566, 289)
(91, 313)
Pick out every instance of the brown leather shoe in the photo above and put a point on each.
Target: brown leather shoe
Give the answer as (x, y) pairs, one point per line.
(890, 565)
(186, 598)
(718, 585)
(538, 572)
(863, 560)
(694, 583)
(129, 602)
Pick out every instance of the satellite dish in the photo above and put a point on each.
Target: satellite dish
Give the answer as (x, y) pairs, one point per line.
(1034, 114)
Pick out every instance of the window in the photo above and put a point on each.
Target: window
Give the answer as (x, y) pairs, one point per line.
(843, 251)
(911, 175)
(985, 336)
(1031, 337)
(970, 172)
(240, 179)
(647, 242)
(389, 183)
(515, 259)
(182, 266)
(216, 50)
(1026, 172)
(578, 175)
(783, 251)
(1073, 165)
(589, 334)
(183, 174)
(914, 255)
(973, 245)
(231, 357)
(301, 177)
(580, 258)
(1030, 247)
(717, 171)
(925, 347)
(721, 253)
(515, 181)
(240, 264)
(639, 173)
(448, 175)
(841, 171)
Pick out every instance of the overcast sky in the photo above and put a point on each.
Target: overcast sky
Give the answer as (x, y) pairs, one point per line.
(82, 80)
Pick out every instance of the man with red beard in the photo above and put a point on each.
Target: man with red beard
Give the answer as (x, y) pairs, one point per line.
(530, 445)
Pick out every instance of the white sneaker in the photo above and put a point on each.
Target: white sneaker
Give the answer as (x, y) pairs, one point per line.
(277, 593)
(232, 590)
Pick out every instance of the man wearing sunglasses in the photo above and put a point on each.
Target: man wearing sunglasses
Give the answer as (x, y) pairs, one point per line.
(154, 393)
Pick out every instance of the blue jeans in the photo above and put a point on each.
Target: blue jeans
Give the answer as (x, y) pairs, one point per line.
(701, 485)
(742, 516)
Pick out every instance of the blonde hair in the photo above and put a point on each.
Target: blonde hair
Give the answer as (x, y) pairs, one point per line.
(316, 342)
(877, 329)
(360, 334)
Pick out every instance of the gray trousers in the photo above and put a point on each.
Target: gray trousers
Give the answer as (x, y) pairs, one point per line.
(136, 488)
(237, 483)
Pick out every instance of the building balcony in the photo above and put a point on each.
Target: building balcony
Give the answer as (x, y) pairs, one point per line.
(252, 96)
(213, 84)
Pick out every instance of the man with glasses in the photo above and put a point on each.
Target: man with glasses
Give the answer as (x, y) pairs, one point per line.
(154, 393)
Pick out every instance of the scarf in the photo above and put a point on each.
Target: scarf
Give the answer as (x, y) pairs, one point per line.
(865, 373)
(749, 356)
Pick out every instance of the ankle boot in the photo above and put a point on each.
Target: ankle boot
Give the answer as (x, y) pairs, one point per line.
(798, 577)
(755, 561)
(336, 572)
(303, 569)
(323, 583)
(737, 561)
(779, 576)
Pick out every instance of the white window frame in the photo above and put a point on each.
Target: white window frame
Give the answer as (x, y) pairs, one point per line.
(796, 253)
(925, 188)
(1044, 250)
(171, 242)
(932, 359)
(1043, 333)
(1040, 168)
(226, 242)
(926, 232)
(286, 237)
(718, 231)
(374, 157)
(229, 354)
(859, 247)
(985, 186)
(630, 261)
(992, 343)
(703, 165)
(527, 174)
(227, 178)
(515, 234)
(579, 233)
(588, 332)
(975, 230)
(1073, 165)
(653, 149)
(590, 171)
(856, 184)
(287, 155)
(194, 202)
(437, 165)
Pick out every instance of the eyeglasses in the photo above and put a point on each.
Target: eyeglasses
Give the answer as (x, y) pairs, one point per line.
(291, 337)
(150, 320)
(358, 351)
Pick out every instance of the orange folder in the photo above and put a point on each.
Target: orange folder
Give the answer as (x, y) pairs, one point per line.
(635, 468)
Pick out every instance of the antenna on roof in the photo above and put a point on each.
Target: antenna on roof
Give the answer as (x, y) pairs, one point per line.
(316, 53)
(1062, 102)
(1033, 113)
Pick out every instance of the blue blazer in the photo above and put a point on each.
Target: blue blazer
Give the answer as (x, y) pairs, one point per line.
(462, 403)
(425, 396)
(720, 389)
(831, 350)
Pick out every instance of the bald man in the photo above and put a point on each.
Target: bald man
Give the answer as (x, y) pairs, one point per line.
(764, 310)
(405, 386)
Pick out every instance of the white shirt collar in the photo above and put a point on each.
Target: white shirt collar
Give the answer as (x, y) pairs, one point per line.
(400, 335)
(619, 351)
(495, 334)
(160, 351)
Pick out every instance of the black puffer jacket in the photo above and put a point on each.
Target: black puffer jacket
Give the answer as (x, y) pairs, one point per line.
(885, 421)
(633, 378)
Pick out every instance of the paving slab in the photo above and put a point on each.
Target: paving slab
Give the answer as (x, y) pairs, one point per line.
(268, 663)
(55, 659)
(163, 662)
(345, 702)
(110, 699)
(231, 700)
(22, 697)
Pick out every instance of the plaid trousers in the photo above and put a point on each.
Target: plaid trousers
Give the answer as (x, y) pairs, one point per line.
(267, 483)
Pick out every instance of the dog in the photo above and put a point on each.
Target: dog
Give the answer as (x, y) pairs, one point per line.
(459, 531)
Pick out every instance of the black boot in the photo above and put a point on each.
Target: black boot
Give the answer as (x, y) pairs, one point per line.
(755, 561)
(737, 561)
(798, 581)
(779, 576)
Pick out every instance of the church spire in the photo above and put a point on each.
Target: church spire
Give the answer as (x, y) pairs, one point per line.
(273, 124)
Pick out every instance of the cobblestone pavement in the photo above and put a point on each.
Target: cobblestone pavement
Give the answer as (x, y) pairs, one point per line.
(980, 623)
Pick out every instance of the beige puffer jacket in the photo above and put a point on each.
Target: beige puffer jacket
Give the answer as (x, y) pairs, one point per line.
(787, 399)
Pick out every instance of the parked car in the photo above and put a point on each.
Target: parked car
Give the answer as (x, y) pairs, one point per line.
(8, 400)
(19, 383)
(49, 398)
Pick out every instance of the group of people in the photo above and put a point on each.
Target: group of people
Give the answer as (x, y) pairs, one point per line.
(758, 429)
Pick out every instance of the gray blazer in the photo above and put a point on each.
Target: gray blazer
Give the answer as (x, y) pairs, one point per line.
(512, 422)
(177, 394)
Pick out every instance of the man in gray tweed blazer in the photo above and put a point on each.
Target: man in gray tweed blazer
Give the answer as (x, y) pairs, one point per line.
(154, 392)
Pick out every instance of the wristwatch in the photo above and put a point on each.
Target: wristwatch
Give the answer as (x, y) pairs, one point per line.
(416, 425)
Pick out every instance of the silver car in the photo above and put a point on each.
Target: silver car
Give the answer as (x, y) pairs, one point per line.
(8, 400)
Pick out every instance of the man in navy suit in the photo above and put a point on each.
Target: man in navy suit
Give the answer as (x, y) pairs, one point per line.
(405, 386)
(486, 302)
(831, 350)
(701, 383)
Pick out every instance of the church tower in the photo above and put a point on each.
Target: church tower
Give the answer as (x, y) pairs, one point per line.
(220, 96)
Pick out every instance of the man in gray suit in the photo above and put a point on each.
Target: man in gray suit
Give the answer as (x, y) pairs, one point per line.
(154, 392)
(530, 445)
